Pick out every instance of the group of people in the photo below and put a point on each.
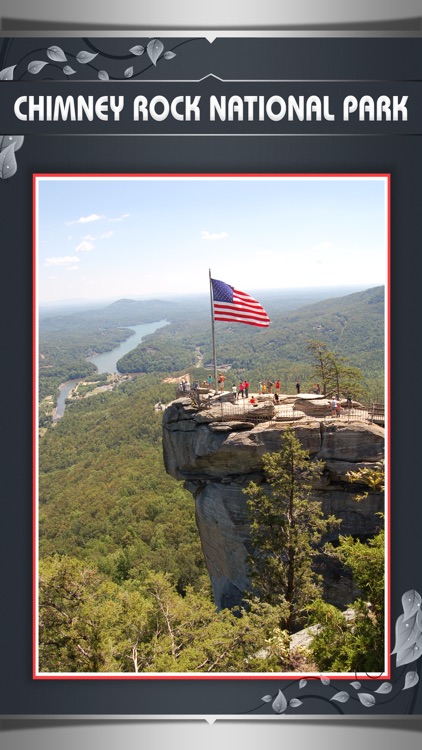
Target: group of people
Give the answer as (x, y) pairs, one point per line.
(267, 387)
(184, 386)
(241, 390)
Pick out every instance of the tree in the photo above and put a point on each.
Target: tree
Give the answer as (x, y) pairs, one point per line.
(88, 623)
(334, 372)
(356, 644)
(286, 527)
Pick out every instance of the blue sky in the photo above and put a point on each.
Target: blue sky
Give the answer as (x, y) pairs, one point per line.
(108, 238)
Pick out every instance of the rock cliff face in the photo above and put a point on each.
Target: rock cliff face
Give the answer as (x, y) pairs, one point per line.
(218, 455)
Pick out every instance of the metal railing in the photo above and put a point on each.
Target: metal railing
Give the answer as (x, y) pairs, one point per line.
(266, 411)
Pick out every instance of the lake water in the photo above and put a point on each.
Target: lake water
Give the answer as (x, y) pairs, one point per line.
(107, 362)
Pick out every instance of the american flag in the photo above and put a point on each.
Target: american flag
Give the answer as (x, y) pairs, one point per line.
(234, 306)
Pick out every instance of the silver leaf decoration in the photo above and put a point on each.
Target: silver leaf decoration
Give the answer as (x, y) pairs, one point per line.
(8, 165)
(129, 72)
(411, 602)
(409, 653)
(68, 71)
(267, 698)
(385, 688)
(103, 75)
(169, 55)
(325, 680)
(411, 679)
(154, 49)
(341, 697)
(7, 73)
(404, 630)
(56, 53)
(137, 50)
(367, 699)
(302, 684)
(295, 703)
(7, 140)
(280, 703)
(85, 57)
(356, 684)
(35, 66)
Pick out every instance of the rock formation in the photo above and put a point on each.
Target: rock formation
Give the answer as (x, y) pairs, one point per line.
(218, 450)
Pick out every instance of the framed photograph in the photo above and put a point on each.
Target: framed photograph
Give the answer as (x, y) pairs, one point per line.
(213, 237)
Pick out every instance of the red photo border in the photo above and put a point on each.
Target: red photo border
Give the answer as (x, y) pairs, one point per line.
(188, 676)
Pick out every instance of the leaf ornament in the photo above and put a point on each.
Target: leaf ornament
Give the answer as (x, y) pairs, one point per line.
(411, 679)
(411, 602)
(280, 703)
(385, 688)
(295, 703)
(408, 645)
(68, 71)
(154, 50)
(7, 73)
(169, 55)
(137, 50)
(35, 66)
(267, 698)
(8, 140)
(341, 697)
(56, 54)
(367, 699)
(8, 165)
(85, 57)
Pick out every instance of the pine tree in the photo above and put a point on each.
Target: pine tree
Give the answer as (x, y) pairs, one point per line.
(334, 372)
(286, 527)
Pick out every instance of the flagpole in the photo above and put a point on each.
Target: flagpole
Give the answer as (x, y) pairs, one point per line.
(213, 335)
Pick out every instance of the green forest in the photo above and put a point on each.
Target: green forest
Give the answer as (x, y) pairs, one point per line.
(123, 585)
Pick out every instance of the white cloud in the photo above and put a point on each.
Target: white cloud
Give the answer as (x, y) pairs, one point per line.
(72, 268)
(120, 218)
(85, 246)
(64, 260)
(205, 235)
(86, 219)
(106, 235)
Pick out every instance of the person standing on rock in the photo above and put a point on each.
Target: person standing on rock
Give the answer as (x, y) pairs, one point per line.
(246, 388)
(241, 390)
(221, 379)
(334, 407)
(259, 387)
(277, 386)
(298, 387)
(209, 380)
(234, 390)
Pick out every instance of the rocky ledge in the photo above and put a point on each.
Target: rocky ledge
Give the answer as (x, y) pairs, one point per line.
(217, 454)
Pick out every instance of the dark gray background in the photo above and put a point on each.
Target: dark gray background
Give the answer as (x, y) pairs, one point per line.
(399, 155)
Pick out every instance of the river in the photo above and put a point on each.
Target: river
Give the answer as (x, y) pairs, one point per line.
(107, 362)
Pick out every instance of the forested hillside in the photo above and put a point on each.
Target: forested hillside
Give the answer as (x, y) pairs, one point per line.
(352, 326)
(123, 583)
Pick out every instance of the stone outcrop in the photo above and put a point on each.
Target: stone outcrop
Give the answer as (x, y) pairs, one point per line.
(217, 454)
